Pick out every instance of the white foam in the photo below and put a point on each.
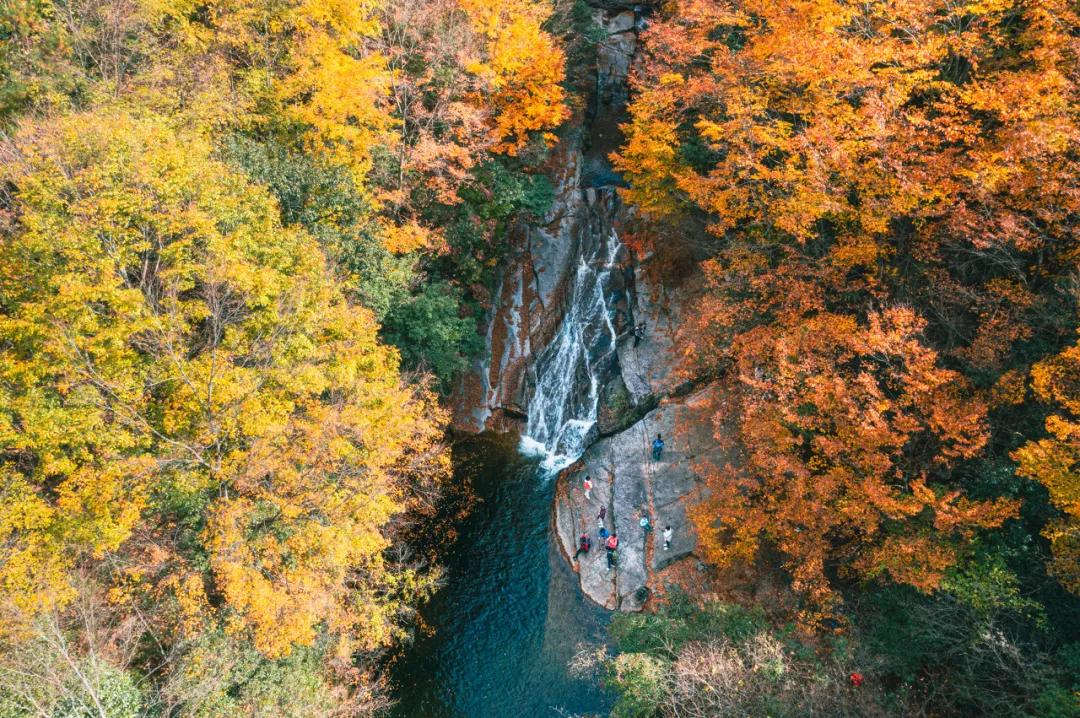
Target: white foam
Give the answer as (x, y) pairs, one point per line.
(559, 419)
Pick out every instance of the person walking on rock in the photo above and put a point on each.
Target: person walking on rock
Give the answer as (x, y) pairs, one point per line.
(657, 447)
(667, 537)
(612, 546)
(601, 515)
(639, 334)
(588, 486)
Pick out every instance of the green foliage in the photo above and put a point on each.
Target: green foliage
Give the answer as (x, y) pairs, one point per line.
(981, 638)
(679, 621)
(324, 199)
(1056, 702)
(219, 676)
(500, 192)
(988, 589)
(100, 690)
(639, 679)
(497, 196)
(721, 659)
(431, 332)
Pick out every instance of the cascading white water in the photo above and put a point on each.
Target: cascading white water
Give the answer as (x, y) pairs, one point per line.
(563, 408)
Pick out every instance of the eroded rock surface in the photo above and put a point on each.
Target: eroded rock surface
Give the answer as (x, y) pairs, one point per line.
(542, 257)
(646, 365)
(627, 481)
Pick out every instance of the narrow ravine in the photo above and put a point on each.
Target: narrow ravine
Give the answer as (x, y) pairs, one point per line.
(498, 637)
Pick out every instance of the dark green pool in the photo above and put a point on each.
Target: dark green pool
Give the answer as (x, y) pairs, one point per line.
(511, 614)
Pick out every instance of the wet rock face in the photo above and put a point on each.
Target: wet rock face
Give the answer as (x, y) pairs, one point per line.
(647, 363)
(630, 483)
(539, 258)
(530, 297)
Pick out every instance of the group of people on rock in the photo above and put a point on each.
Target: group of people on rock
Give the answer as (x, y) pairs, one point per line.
(611, 541)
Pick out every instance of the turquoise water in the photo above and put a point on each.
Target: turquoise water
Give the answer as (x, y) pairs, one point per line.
(511, 615)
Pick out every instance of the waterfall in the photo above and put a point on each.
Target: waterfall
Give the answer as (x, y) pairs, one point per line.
(562, 410)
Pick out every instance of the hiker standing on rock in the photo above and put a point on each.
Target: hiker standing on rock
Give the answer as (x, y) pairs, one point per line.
(612, 545)
(657, 447)
(667, 537)
(601, 515)
(639, 334)
(588, 486)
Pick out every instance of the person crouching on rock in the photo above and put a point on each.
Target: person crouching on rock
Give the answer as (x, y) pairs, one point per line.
(584, 544)
(612, 545)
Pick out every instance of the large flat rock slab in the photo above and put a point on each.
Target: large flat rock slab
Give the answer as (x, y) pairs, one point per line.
(629, 483)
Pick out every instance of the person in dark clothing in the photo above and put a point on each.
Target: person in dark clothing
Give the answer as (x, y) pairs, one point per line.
(600, 516)
(639, 333)
(584, 544)
(611, 558)
(657, 447)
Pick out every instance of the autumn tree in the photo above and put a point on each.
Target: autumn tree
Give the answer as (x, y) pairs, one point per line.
(188, 394)
(890, 191)
(1053, 461)
(849, 434)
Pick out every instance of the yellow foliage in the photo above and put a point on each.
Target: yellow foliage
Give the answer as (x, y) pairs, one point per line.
(520, 68)
(169, 341)
(1053, 461)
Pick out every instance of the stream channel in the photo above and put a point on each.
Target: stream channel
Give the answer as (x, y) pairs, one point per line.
(511, 615)
(500, 634)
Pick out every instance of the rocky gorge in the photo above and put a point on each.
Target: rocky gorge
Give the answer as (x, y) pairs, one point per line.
(564, 371)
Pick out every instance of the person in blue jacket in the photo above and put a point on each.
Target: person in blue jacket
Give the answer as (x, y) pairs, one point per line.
(657, 447)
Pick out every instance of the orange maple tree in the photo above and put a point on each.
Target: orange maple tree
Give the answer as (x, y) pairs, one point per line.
(891, 191)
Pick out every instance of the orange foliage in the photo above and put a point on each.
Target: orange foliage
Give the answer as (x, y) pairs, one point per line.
(846, 431)
(891, 186)
(1053, 461)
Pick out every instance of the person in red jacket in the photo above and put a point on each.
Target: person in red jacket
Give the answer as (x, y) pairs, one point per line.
(584, 544)
(612, 545)
(588, 486)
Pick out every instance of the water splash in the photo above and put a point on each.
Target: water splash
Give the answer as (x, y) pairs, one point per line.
(563, 408)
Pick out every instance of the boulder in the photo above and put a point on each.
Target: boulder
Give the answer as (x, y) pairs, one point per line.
(623, 22)
(615, 412)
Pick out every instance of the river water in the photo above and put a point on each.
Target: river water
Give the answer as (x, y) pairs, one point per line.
(501, 633)
(511, 615)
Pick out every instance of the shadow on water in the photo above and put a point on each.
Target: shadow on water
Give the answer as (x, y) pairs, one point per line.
(510, 616)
